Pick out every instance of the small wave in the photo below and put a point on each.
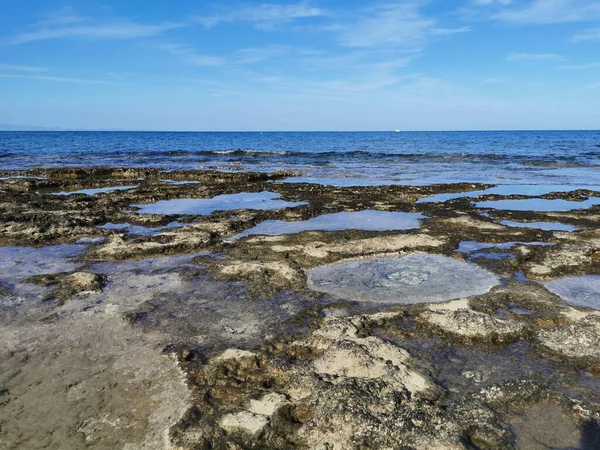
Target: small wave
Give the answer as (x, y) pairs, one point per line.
(397, 157)
(244, 152)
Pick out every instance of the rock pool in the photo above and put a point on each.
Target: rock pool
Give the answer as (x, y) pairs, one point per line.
(578, 291)
(361, 220)
(264, 200)
(415, 278)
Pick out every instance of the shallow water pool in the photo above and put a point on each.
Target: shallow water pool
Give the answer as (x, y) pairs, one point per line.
(539, 204)
(578, 291)
(19, 263)
(138, 229)
(264, 200)
(473, 246)
(509, 189)
(362, 220)
(96, 190)
(546, 226)
(415, 278)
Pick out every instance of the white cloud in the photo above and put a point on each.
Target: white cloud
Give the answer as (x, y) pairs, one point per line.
(189, 54)
(19, 68)
(495, 80)
(593, 65)
(64, 16)
(534, 57)
(588, 87)
(589, 35)
(492, 2)
(259, 54)
(51, 78)
(263, 15)
(449, 31)
(116, 30)
(552, 11)
(243, 56)
(401, 25)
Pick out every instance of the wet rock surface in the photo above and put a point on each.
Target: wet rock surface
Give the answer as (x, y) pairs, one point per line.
(183, 338)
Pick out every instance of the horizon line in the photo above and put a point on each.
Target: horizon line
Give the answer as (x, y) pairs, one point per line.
(33, 129)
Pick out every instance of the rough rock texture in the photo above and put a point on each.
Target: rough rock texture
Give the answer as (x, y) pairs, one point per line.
(571, 258)
(576, 340)
(86, 380)
(219, 343)
(472, 324)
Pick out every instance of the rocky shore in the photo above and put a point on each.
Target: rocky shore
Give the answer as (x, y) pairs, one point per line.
(476, 328)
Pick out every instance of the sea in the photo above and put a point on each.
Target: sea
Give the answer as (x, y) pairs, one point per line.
(528, 158)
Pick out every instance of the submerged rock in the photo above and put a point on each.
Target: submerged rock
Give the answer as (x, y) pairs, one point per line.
(68, 285)
(578, 291)
(19, 263)
(416, 278)
(545, 425)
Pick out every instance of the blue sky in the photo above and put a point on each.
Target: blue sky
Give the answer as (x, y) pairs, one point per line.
(300, 65)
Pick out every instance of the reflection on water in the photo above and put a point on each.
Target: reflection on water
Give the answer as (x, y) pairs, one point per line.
(140, 230)
(180, 182)
(203, 206)
(531, 190)
(578, 291)
(362, 220)
(342, 182)
(472, 246)
(96, 190)
(90, 240)
(19, 263)
(539, 204)
(546, 226)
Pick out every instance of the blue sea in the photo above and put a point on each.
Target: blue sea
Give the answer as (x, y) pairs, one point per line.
(569, 158)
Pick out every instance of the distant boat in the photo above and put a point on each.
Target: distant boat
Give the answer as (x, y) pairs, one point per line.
(397, 131)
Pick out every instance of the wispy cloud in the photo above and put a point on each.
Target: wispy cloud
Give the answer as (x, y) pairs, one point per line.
(492, 2)
(552, 11)
(495, 80)
(19, 68)
(401, 25)
(51, 78)
(260, 54)
(588, 87)
(64, 16)
(242, 56)
(534, 57)
(262, 15)
(589, 35)
(593, 65)
(418, 88)
(191, 55)
(113, 30)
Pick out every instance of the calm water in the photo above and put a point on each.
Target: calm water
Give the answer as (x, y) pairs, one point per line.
(519, 157)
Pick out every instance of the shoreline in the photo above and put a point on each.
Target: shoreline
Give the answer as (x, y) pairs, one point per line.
(229, 343)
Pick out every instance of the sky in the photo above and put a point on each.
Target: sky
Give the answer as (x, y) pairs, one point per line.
(300, 65)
